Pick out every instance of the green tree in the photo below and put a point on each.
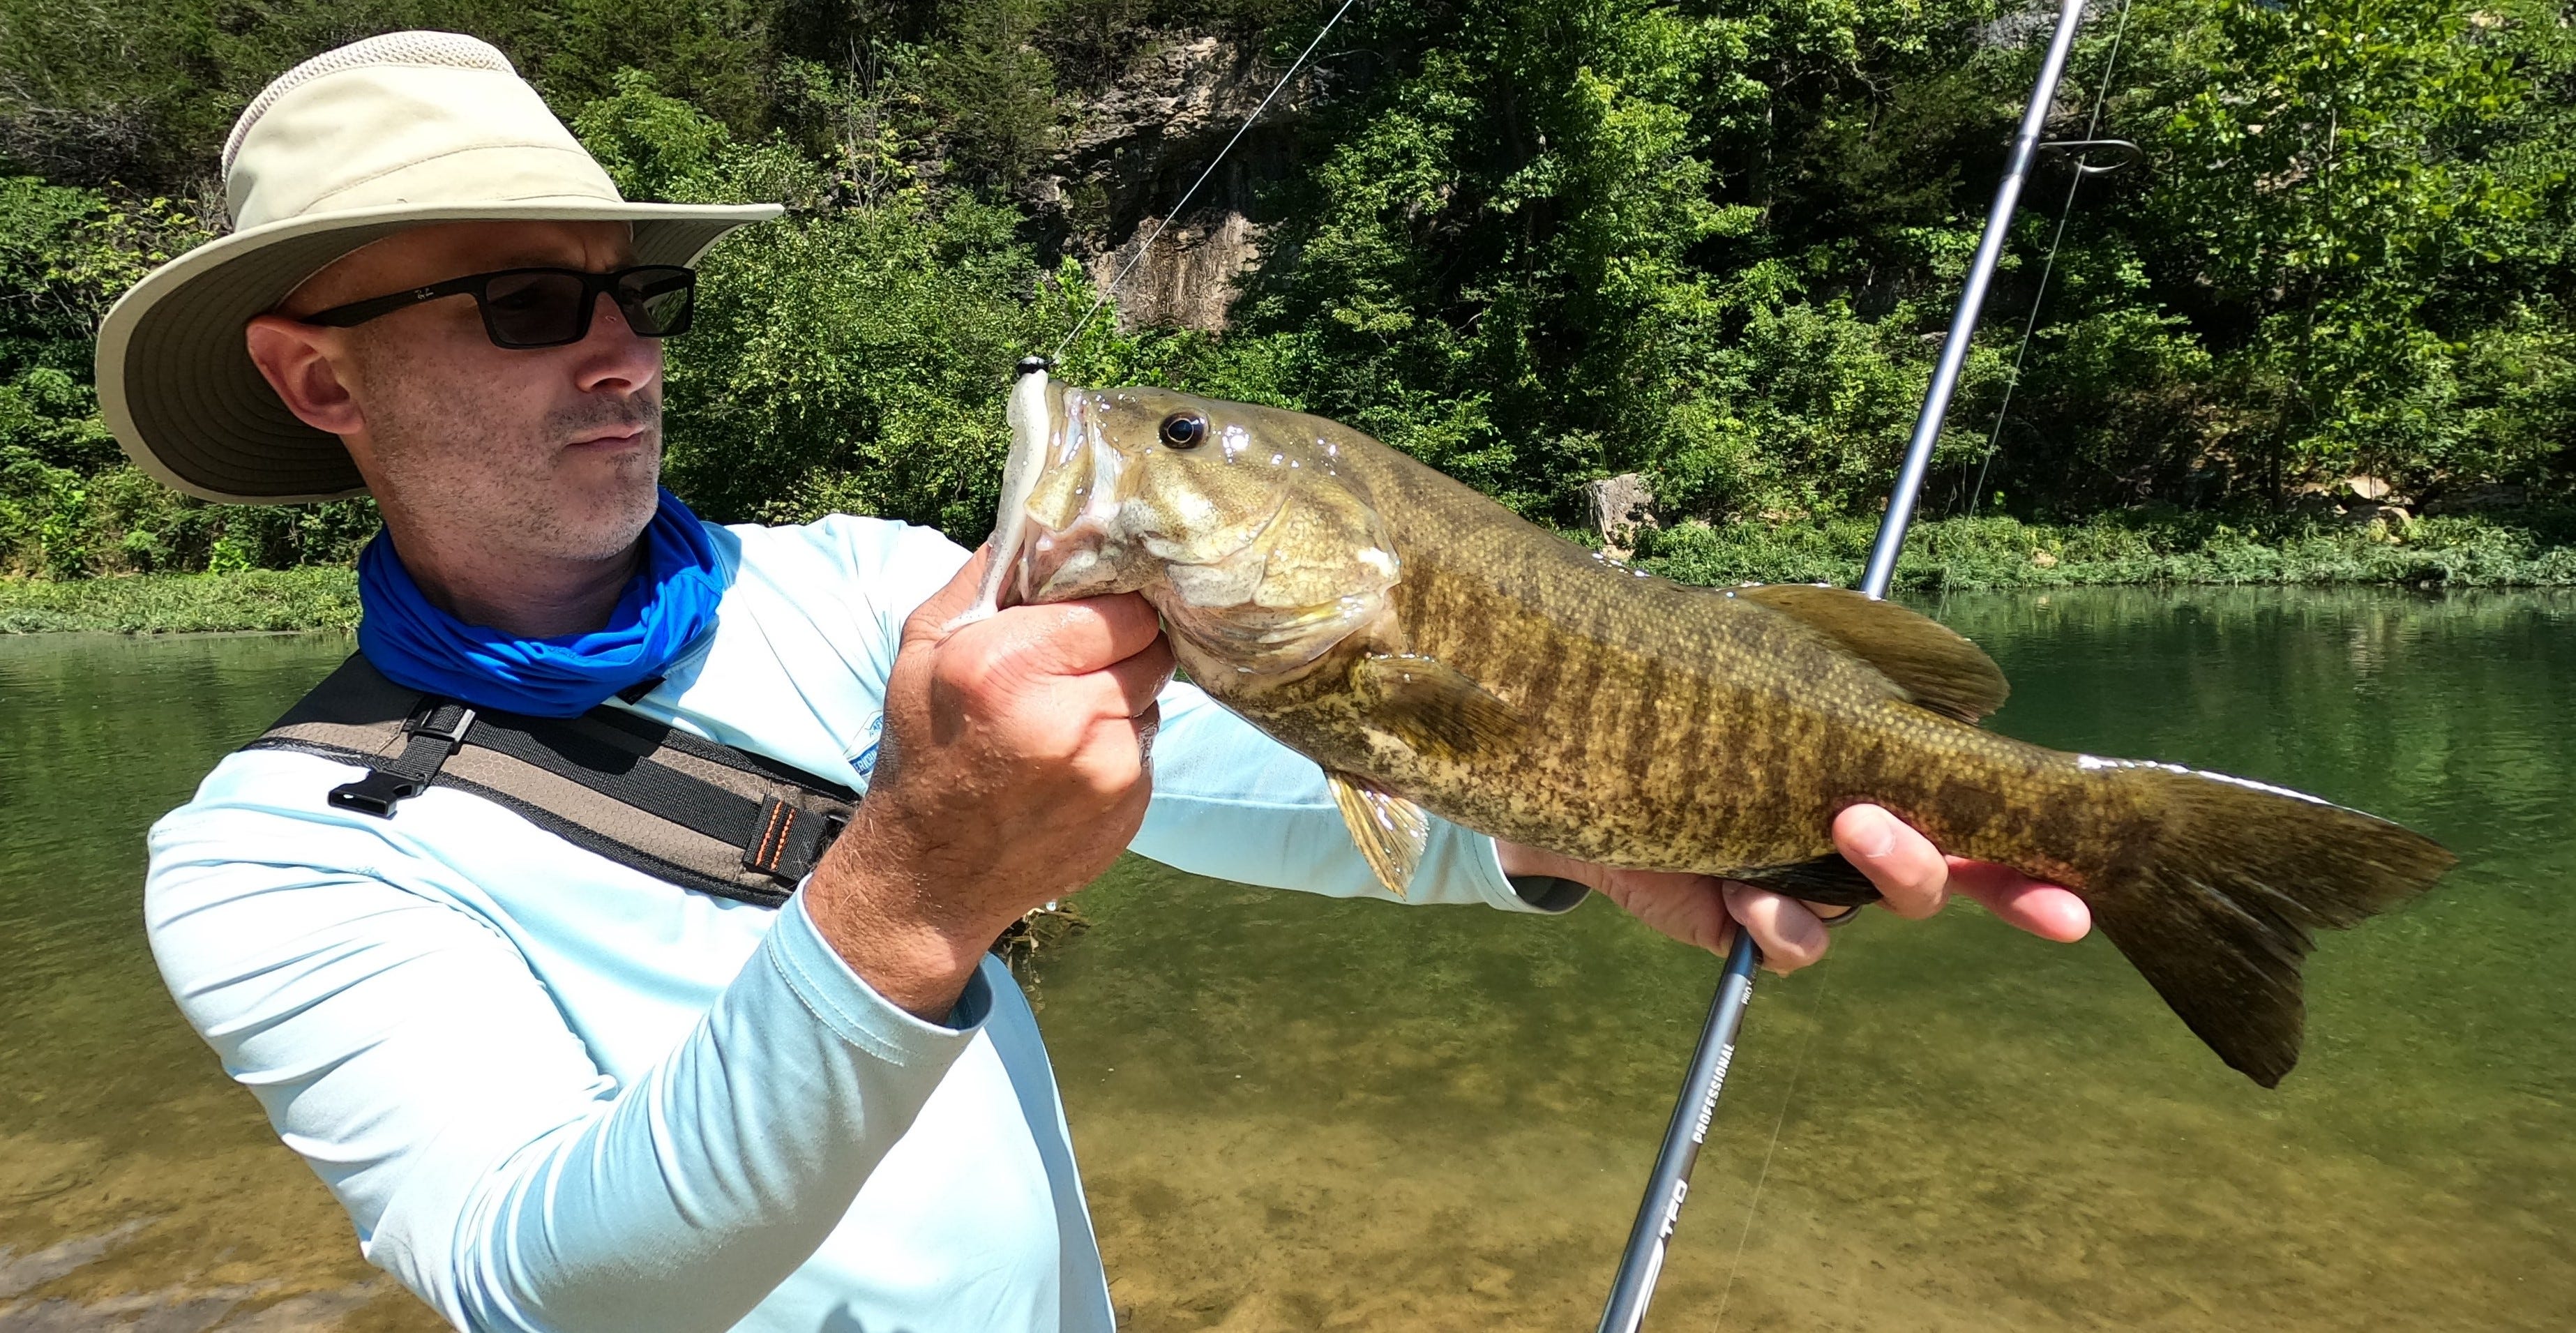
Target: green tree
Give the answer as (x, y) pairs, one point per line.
(2351, 187)
(994, 89)
(1531, 241)
(850, 358)
(69, 503)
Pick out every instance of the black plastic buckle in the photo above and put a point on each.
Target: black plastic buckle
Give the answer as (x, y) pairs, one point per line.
(375, 794)
(382, 789)
(420, 724)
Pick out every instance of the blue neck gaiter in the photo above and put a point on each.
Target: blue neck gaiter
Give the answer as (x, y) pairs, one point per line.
(668, 606)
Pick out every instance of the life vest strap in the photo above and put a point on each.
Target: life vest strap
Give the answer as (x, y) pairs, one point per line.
(681, 808)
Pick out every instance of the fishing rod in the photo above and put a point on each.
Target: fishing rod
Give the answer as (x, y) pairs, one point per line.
(1669, 1182)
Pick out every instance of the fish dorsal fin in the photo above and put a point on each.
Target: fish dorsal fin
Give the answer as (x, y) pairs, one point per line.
(1433, 707)
(1390, 830)
(1929, 661)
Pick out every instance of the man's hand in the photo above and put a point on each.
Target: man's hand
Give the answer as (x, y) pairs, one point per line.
(1912, 874)
(1012, 771)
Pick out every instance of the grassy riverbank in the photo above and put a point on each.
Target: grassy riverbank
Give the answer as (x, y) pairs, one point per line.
(324, 598)
(1960, 553)
(2133, 547)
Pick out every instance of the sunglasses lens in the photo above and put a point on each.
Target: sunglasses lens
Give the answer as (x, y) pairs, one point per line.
(533, 309)
(658, 301)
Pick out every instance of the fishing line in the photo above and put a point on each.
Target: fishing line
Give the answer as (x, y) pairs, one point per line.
(2092, 130)
(1797, 1070)
(1186, 195)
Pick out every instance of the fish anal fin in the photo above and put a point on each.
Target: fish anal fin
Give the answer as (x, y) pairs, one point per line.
(1828, 879)
(1390, 830)
(1928, 660)
(1433, 707)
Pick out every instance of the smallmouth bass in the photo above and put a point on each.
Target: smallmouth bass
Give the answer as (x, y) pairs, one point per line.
(1435, 652)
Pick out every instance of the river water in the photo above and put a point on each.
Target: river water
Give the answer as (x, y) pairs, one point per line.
(1301, 1114)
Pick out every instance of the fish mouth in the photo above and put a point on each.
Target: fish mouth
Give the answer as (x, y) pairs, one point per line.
(1087, 542)
(1096, 523)
(1073, 556)
(1033, 559)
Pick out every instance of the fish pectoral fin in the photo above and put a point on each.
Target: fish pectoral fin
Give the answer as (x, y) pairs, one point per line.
(1390, 830)
(1433, 707)
(1928, 660)
(1828, 879)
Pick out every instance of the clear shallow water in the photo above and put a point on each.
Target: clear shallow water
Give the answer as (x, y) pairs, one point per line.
(138, 1187)
(1300, 1114)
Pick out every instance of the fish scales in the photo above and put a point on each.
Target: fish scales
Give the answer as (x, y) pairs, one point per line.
(1434, 652)
(1675, 685)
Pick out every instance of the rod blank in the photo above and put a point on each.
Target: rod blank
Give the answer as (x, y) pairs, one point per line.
(1668, 1184)
(1972, 298)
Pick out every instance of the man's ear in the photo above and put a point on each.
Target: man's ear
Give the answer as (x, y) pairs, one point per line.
(302, 363)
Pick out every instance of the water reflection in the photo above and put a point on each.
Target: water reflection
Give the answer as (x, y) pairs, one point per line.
(1298, 1114)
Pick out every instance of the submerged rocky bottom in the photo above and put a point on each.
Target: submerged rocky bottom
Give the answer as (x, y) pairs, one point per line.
(1298, 1114)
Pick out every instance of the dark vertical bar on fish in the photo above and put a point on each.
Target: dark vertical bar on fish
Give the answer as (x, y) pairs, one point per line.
(1666, 1186)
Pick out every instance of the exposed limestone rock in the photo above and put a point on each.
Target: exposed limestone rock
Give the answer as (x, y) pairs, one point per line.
(1188, 278)
(1619, 506)
(1139, 142)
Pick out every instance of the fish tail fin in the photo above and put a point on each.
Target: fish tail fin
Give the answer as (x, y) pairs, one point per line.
(2215, 902)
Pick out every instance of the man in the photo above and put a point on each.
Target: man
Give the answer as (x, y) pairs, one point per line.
(557, 1093)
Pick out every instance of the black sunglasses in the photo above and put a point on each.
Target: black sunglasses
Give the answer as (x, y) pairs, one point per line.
(548, 307)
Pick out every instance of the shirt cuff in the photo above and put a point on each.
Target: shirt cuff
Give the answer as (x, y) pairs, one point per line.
(1481, 861)
(825, 984)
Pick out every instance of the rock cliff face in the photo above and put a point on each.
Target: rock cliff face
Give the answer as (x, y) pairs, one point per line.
(1135, 147)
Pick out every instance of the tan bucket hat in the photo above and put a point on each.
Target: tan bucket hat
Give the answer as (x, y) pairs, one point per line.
(346, 148)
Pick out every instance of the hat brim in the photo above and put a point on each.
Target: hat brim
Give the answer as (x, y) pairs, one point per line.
(175, 379)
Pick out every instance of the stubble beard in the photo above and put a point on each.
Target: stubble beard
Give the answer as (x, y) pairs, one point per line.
(454, 471)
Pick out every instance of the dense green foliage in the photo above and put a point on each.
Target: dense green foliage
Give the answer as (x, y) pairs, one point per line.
(1713, 244)
(69, 505)
(1534, 242)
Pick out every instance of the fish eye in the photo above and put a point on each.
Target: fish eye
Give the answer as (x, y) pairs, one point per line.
(1185, 430)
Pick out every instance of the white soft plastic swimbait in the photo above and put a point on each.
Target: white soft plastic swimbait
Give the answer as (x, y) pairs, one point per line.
(1031, 432)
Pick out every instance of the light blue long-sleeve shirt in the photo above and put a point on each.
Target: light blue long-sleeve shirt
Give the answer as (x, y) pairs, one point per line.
(555, 1093)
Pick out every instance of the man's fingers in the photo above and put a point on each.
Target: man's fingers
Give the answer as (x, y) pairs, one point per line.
(1072, 638)
(1100, 630)
(1911, 874)
(2044, 910)
(1141, 678)
(1916, 878)
(1789, 934)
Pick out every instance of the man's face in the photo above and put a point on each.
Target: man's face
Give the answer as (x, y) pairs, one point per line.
(549, 453)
